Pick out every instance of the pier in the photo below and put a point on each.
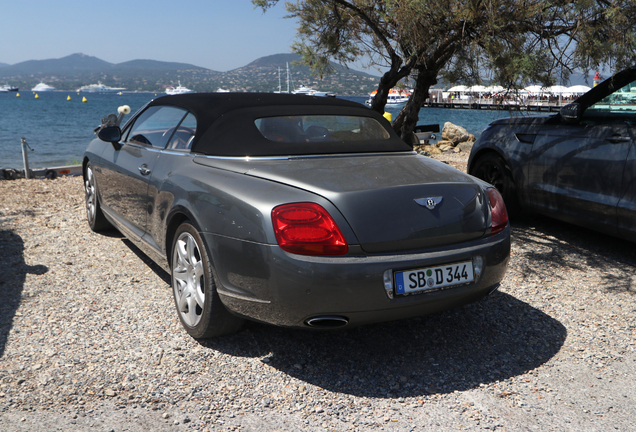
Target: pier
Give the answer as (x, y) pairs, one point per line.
(538, 107)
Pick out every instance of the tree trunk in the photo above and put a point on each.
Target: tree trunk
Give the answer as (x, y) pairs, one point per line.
(387, 82)
(407, 119)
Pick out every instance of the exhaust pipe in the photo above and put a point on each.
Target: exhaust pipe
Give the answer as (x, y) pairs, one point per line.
(327, 322)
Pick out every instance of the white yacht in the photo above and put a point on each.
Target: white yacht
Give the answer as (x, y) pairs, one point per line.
(42, 87)
(99, 88)
(178, 90)
(395, 97)
(304, 90)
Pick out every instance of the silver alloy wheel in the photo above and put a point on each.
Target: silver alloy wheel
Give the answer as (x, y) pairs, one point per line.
(188, 279)
(91, 197)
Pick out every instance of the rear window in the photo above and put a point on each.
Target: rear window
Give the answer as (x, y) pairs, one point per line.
(297, 130)
(321, 128)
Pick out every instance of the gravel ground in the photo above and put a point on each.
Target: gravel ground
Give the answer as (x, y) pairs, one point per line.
(89, 340)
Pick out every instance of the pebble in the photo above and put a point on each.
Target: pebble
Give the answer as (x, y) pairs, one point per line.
(99, 340)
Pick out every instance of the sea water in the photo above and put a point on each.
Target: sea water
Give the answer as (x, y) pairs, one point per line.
(58, 130)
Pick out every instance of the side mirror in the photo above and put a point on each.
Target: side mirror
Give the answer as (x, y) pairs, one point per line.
(571, 113)
(111, 134)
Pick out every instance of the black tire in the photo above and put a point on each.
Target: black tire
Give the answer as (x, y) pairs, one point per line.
(493, 169)
(10, 174)
(195, 297)
(96, 219)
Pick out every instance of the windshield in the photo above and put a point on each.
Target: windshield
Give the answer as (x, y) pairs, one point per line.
(622, 101)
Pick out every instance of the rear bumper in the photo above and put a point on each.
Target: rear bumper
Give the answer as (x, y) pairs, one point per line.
(264, 283)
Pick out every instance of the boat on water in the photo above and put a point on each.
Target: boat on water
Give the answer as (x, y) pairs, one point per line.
(8, 88)
(179, 89)
(396, 96)
(99, 88)
(304, 90)
(41, 87)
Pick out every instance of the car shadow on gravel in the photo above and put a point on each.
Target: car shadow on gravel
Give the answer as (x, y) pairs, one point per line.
(560, 247)
(494, 339)
(13, 271)
(159, 271)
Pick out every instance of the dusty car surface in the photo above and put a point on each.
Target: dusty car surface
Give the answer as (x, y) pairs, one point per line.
(578, 165)
(293, 210)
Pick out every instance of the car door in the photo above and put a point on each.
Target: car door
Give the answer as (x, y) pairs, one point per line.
(576, 169)
(170, 165)
(626, 211)
(127, 167)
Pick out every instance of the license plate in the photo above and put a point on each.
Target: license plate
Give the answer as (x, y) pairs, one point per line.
(432, 278)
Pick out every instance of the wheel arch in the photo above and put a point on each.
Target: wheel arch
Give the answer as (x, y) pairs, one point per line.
(513, 195)
(486, 151)
(84, 163)
(177, 216)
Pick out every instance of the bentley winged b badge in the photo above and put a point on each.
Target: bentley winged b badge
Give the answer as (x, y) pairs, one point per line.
(430, 202)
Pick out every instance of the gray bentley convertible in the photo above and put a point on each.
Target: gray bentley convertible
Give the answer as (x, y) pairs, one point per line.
(292, 210)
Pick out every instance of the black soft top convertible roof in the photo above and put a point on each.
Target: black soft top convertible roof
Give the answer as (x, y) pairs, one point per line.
(226, 123)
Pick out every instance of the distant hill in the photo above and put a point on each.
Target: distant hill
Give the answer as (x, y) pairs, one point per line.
(154, 64)
(261, 75)
(266, 73)
(73, 64)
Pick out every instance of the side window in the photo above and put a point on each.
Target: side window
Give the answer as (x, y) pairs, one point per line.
(183, 136)
(155, 126)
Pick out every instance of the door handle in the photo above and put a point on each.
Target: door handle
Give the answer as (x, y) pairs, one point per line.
(143, 169)
(615, 139)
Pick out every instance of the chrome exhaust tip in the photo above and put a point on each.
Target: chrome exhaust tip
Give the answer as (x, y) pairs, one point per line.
(327, 322)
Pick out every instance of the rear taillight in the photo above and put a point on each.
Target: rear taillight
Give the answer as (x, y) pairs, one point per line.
(498, 210)
(307, 229)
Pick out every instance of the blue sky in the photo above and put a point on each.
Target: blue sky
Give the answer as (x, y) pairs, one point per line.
(216, 34)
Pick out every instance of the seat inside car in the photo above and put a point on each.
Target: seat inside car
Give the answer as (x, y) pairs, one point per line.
(282, 129)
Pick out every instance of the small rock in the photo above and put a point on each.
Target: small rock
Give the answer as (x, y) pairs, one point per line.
(454, 133)
(431, 149)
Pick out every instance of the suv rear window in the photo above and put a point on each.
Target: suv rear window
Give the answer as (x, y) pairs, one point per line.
(321, 128)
